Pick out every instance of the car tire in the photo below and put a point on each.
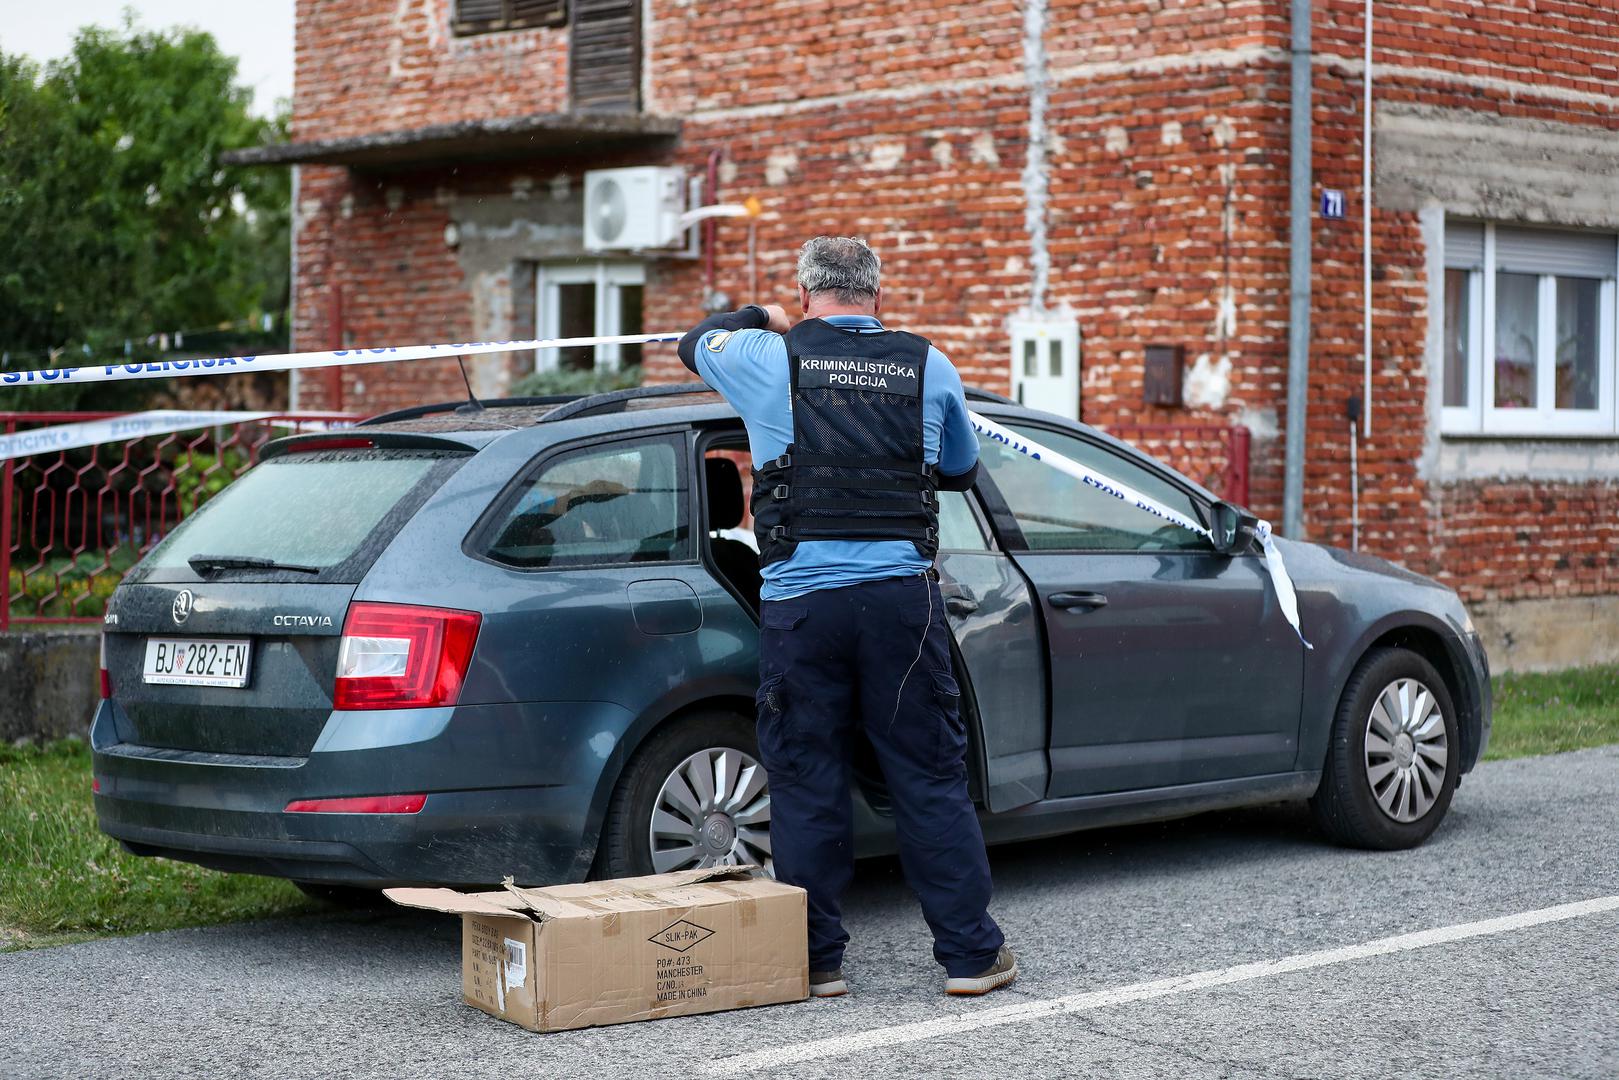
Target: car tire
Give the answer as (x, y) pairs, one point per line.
(691, 746)
(1378, 789)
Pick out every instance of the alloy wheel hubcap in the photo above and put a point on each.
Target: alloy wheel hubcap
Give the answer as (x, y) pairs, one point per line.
(1406, 750)
(712, 810)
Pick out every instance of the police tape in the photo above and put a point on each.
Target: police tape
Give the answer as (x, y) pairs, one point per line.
(1286, 596)
(230, 365)
(225, 365)
(130, 426)
(113, 429)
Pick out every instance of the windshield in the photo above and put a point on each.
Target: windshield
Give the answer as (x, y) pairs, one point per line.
(313, 510)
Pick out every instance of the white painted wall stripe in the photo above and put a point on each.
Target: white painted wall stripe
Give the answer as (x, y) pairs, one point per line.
(1062, 73)
(1051, 1008)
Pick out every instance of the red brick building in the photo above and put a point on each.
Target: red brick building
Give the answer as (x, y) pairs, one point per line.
(1119, 166)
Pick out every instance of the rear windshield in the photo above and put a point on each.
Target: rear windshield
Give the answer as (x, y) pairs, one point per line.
(330, 510)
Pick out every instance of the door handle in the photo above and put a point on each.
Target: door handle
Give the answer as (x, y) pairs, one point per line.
(1077, 600)
(958, 599)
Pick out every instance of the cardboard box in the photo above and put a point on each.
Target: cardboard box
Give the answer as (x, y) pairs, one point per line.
(607, 952)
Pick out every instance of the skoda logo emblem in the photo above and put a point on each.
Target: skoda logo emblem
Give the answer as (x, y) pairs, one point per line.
(183, 603)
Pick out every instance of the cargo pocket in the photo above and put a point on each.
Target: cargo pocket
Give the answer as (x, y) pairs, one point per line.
(775, 746)
(952, 729)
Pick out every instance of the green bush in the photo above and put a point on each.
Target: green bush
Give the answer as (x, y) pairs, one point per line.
(571, 382)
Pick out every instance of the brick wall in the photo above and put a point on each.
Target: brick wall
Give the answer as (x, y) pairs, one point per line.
(1168, 168)
(365, 66)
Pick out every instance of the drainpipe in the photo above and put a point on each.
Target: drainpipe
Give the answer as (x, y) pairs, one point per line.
(1366, 230)
(1300, 211)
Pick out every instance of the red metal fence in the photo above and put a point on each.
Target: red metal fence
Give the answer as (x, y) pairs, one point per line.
(73, 521)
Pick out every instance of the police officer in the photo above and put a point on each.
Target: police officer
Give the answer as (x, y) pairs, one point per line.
(853, 429)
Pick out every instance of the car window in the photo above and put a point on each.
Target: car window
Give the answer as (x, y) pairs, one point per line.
(958, 527)
(331, 510)
(1057, 512)
(619, 503)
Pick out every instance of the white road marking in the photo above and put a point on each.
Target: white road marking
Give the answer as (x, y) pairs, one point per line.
(844, 1045)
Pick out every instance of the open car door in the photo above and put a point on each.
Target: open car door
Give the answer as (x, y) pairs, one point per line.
(991, 613)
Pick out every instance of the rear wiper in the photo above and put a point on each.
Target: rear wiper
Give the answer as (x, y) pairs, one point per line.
(202, 564)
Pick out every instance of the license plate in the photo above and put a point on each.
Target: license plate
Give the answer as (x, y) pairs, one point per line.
(197, 661)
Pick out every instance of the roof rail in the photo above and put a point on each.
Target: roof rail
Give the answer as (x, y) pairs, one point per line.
(975, 394)
(580, 406)
(451, 406)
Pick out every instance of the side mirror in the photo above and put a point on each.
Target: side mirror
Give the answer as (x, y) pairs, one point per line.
(1231, 528)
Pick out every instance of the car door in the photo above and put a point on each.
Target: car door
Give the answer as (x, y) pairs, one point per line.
(1169, 663)
(991, 613)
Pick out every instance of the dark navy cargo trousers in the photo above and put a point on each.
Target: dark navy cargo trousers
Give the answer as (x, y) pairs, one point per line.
(873, 657)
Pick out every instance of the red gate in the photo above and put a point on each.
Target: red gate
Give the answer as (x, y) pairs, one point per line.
(73, 521)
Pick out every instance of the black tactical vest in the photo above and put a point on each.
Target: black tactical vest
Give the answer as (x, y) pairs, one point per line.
(855, 469)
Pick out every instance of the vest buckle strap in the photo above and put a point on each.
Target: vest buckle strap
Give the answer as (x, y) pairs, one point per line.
(783, 462)
(778, 533)
(780, 491)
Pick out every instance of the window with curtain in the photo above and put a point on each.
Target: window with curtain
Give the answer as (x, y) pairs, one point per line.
(1529, 331)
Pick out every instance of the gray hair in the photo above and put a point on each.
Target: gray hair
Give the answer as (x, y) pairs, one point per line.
(842, 265)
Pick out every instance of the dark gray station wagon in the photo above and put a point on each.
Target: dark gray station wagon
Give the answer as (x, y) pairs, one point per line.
(452, 644)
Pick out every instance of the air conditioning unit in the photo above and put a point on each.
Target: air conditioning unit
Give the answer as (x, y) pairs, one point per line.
(635, 209)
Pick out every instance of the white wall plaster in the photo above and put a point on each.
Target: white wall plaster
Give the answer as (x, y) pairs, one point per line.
(1207, 383)
(1116, 140)
(1222, 132)
(780, 167)
(1036, 179)
(728, 171)
(1170, 133)
(1261, 422)
(983, 150)
(886, 156)
(561, 187)
(522, 187)
(943, 153)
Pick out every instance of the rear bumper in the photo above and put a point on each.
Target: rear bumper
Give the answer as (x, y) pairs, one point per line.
(511, 789)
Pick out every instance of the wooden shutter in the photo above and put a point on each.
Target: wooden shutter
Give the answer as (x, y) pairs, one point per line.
(605, 55)
(536, 13)
(483, 16)
(478, 16)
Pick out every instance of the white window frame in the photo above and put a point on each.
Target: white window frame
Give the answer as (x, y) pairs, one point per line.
(1480, 416)
(609, 278)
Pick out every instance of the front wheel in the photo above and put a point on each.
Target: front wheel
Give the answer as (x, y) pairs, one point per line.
(695, 795)
(1392, 765)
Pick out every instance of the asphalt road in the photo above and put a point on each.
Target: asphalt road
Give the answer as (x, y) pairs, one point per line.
(1093, 916)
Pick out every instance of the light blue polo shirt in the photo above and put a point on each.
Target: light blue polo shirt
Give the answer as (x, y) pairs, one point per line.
(749, 369)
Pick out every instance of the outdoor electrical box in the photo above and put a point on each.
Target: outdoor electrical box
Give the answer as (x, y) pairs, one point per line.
(1045, 364)
(635, 209)
(1165, 367)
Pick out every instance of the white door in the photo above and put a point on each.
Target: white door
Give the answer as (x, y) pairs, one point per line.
(590, 299)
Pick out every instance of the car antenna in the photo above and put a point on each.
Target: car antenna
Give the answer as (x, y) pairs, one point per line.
(473, 405)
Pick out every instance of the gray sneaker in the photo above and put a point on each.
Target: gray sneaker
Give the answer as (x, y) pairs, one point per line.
(828, 984)
(999, 974)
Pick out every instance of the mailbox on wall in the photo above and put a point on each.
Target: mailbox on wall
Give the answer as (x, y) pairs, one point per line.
(1163, 373)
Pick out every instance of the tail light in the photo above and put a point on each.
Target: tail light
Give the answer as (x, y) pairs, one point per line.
(364, 804)
(398, 656)
(106, 680)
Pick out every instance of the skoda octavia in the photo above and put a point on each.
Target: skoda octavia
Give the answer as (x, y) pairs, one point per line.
(452, 644)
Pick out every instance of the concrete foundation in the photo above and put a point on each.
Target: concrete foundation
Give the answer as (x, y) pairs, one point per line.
(1544, 635)
(48, 683)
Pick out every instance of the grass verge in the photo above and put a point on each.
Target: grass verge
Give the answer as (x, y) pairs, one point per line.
(1547, 712)
(61, 880)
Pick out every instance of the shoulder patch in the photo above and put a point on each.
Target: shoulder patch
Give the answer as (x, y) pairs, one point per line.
(717, 340)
